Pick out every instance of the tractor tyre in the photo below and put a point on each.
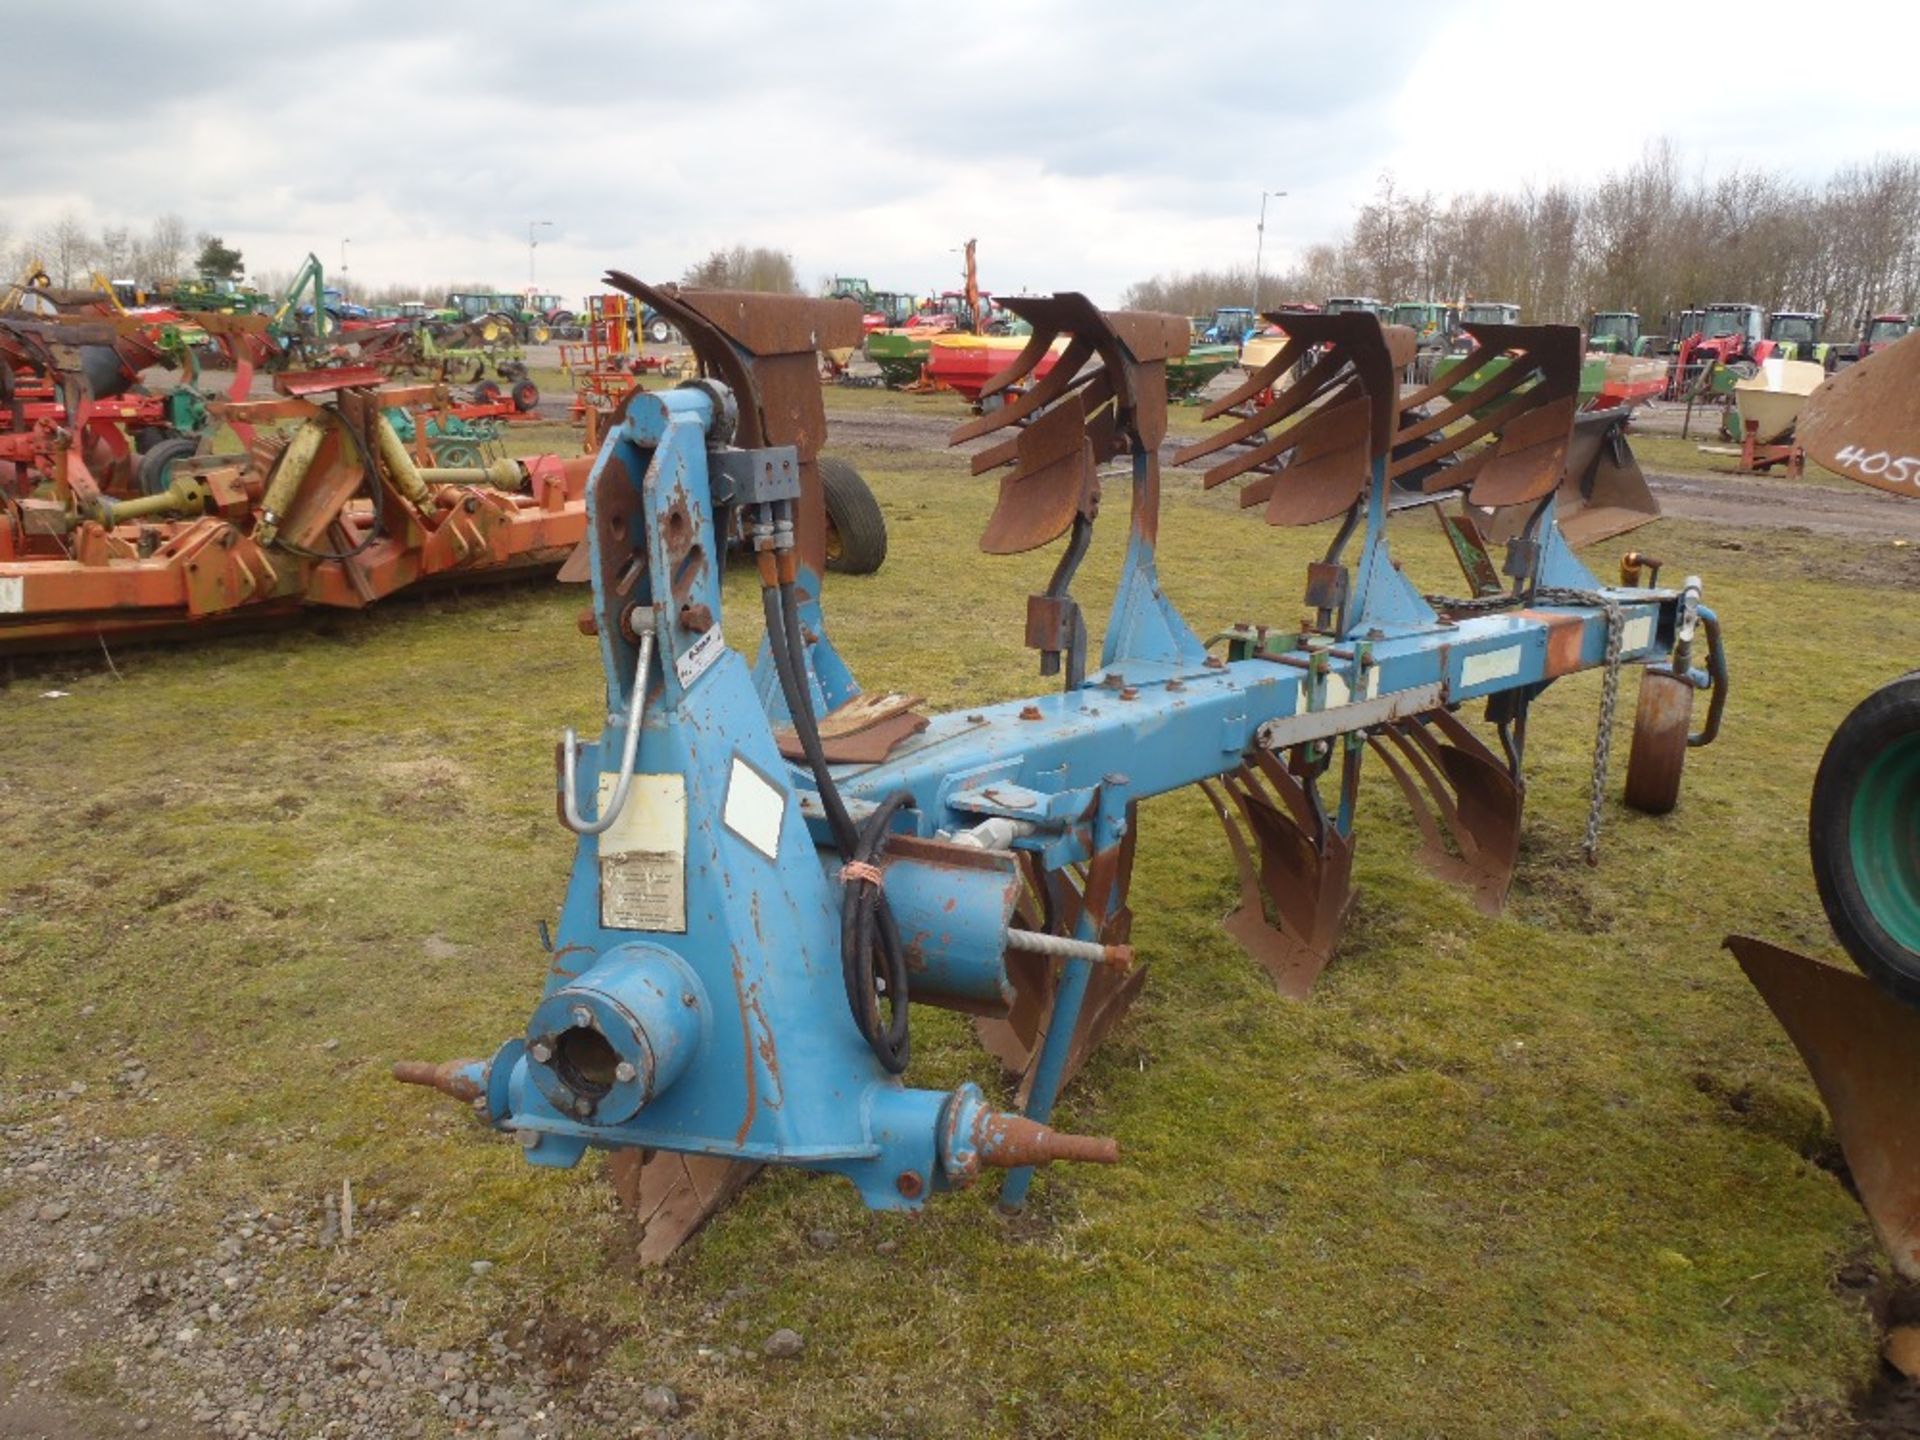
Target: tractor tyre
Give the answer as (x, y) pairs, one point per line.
(511, 370)
(1861, 828)
(159, 460)
(659, 331)
(486, 393)
(856, 530)
(526, 397)
(1659, 756)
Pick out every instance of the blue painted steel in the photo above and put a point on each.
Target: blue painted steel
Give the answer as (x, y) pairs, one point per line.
(717, 1022)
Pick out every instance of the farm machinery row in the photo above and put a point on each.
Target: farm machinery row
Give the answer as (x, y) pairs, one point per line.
(323, 504)
(775, 867)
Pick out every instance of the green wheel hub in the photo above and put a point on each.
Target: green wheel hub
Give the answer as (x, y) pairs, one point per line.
(1884, 836)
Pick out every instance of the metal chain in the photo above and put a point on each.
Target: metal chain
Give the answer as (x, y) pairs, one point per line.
(1609, 684)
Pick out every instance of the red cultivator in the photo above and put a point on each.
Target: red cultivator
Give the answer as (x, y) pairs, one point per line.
(332, 511)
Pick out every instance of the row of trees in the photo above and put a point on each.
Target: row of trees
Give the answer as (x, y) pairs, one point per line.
(168, 250)
(156, 256)
(1649, 238)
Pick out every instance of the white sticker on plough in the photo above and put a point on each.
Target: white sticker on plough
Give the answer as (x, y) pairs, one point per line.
(755, 809)
(1636, 634)
(13, 594)
(699, 657)
(643, 856)
(1490, 665)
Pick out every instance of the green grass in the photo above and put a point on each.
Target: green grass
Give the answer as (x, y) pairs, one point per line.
(1487, 1182)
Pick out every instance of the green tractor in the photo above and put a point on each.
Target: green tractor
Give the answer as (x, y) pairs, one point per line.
(494, 312)
(1796, 336)
(1433, 324)
(1617, 332)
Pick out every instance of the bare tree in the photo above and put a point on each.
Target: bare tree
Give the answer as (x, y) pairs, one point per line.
(162, 257)
(65, 248)
(744, 268)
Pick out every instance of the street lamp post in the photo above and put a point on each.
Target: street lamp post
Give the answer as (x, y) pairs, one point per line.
(345, 241)
(532, 245)
(1260, 243)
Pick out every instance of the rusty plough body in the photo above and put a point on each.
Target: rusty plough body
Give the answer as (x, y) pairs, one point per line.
(332, 511)
(773, 865)
(1860, 1034)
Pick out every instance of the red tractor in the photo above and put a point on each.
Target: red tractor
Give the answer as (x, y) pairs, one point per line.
(1730, 334)
(1883, 330)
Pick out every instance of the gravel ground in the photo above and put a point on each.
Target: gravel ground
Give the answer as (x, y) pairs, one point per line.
(99, 1340)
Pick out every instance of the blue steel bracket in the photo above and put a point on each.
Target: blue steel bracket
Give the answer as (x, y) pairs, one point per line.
(694, 1000)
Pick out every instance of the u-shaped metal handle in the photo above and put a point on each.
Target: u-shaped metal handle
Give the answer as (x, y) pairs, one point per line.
(570, 756)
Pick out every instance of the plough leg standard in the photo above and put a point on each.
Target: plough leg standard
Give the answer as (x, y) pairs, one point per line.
(772, 865)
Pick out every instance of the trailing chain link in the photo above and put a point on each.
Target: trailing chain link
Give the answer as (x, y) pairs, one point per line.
(1609, 684)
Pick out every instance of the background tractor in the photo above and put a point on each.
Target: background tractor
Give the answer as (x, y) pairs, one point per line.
(1617, 332)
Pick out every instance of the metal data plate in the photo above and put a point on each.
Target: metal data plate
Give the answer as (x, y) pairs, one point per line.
(643, 856)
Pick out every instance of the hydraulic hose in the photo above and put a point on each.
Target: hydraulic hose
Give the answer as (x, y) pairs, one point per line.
(872, 957)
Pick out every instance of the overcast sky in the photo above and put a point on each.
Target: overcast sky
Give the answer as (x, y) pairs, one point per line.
(1086, 144)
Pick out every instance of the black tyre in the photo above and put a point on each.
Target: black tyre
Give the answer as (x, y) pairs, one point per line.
(158, 460)
(659, 331)
(1864, 832)
(856, 530)
(526, 397)
(486, 393)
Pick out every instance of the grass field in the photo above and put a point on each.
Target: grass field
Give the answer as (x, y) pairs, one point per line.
(1551, 1174)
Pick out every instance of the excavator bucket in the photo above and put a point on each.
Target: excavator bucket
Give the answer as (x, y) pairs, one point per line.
(1466, 801)
(1862, 1048)
(1861, 423)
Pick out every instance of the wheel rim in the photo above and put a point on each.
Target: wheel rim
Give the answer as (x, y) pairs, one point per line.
(835, 547)
(1884, 836)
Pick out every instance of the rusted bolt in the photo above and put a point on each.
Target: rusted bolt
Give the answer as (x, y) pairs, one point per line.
(624, 1072)
(588, 623)
(1030, 712)
(1214, 662)
(696, 618)
(909, 1184)
(1129, 693)
(582, 1106)
(583, 1017)
(1176, 686)
(541, 1052)
(688, 999)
